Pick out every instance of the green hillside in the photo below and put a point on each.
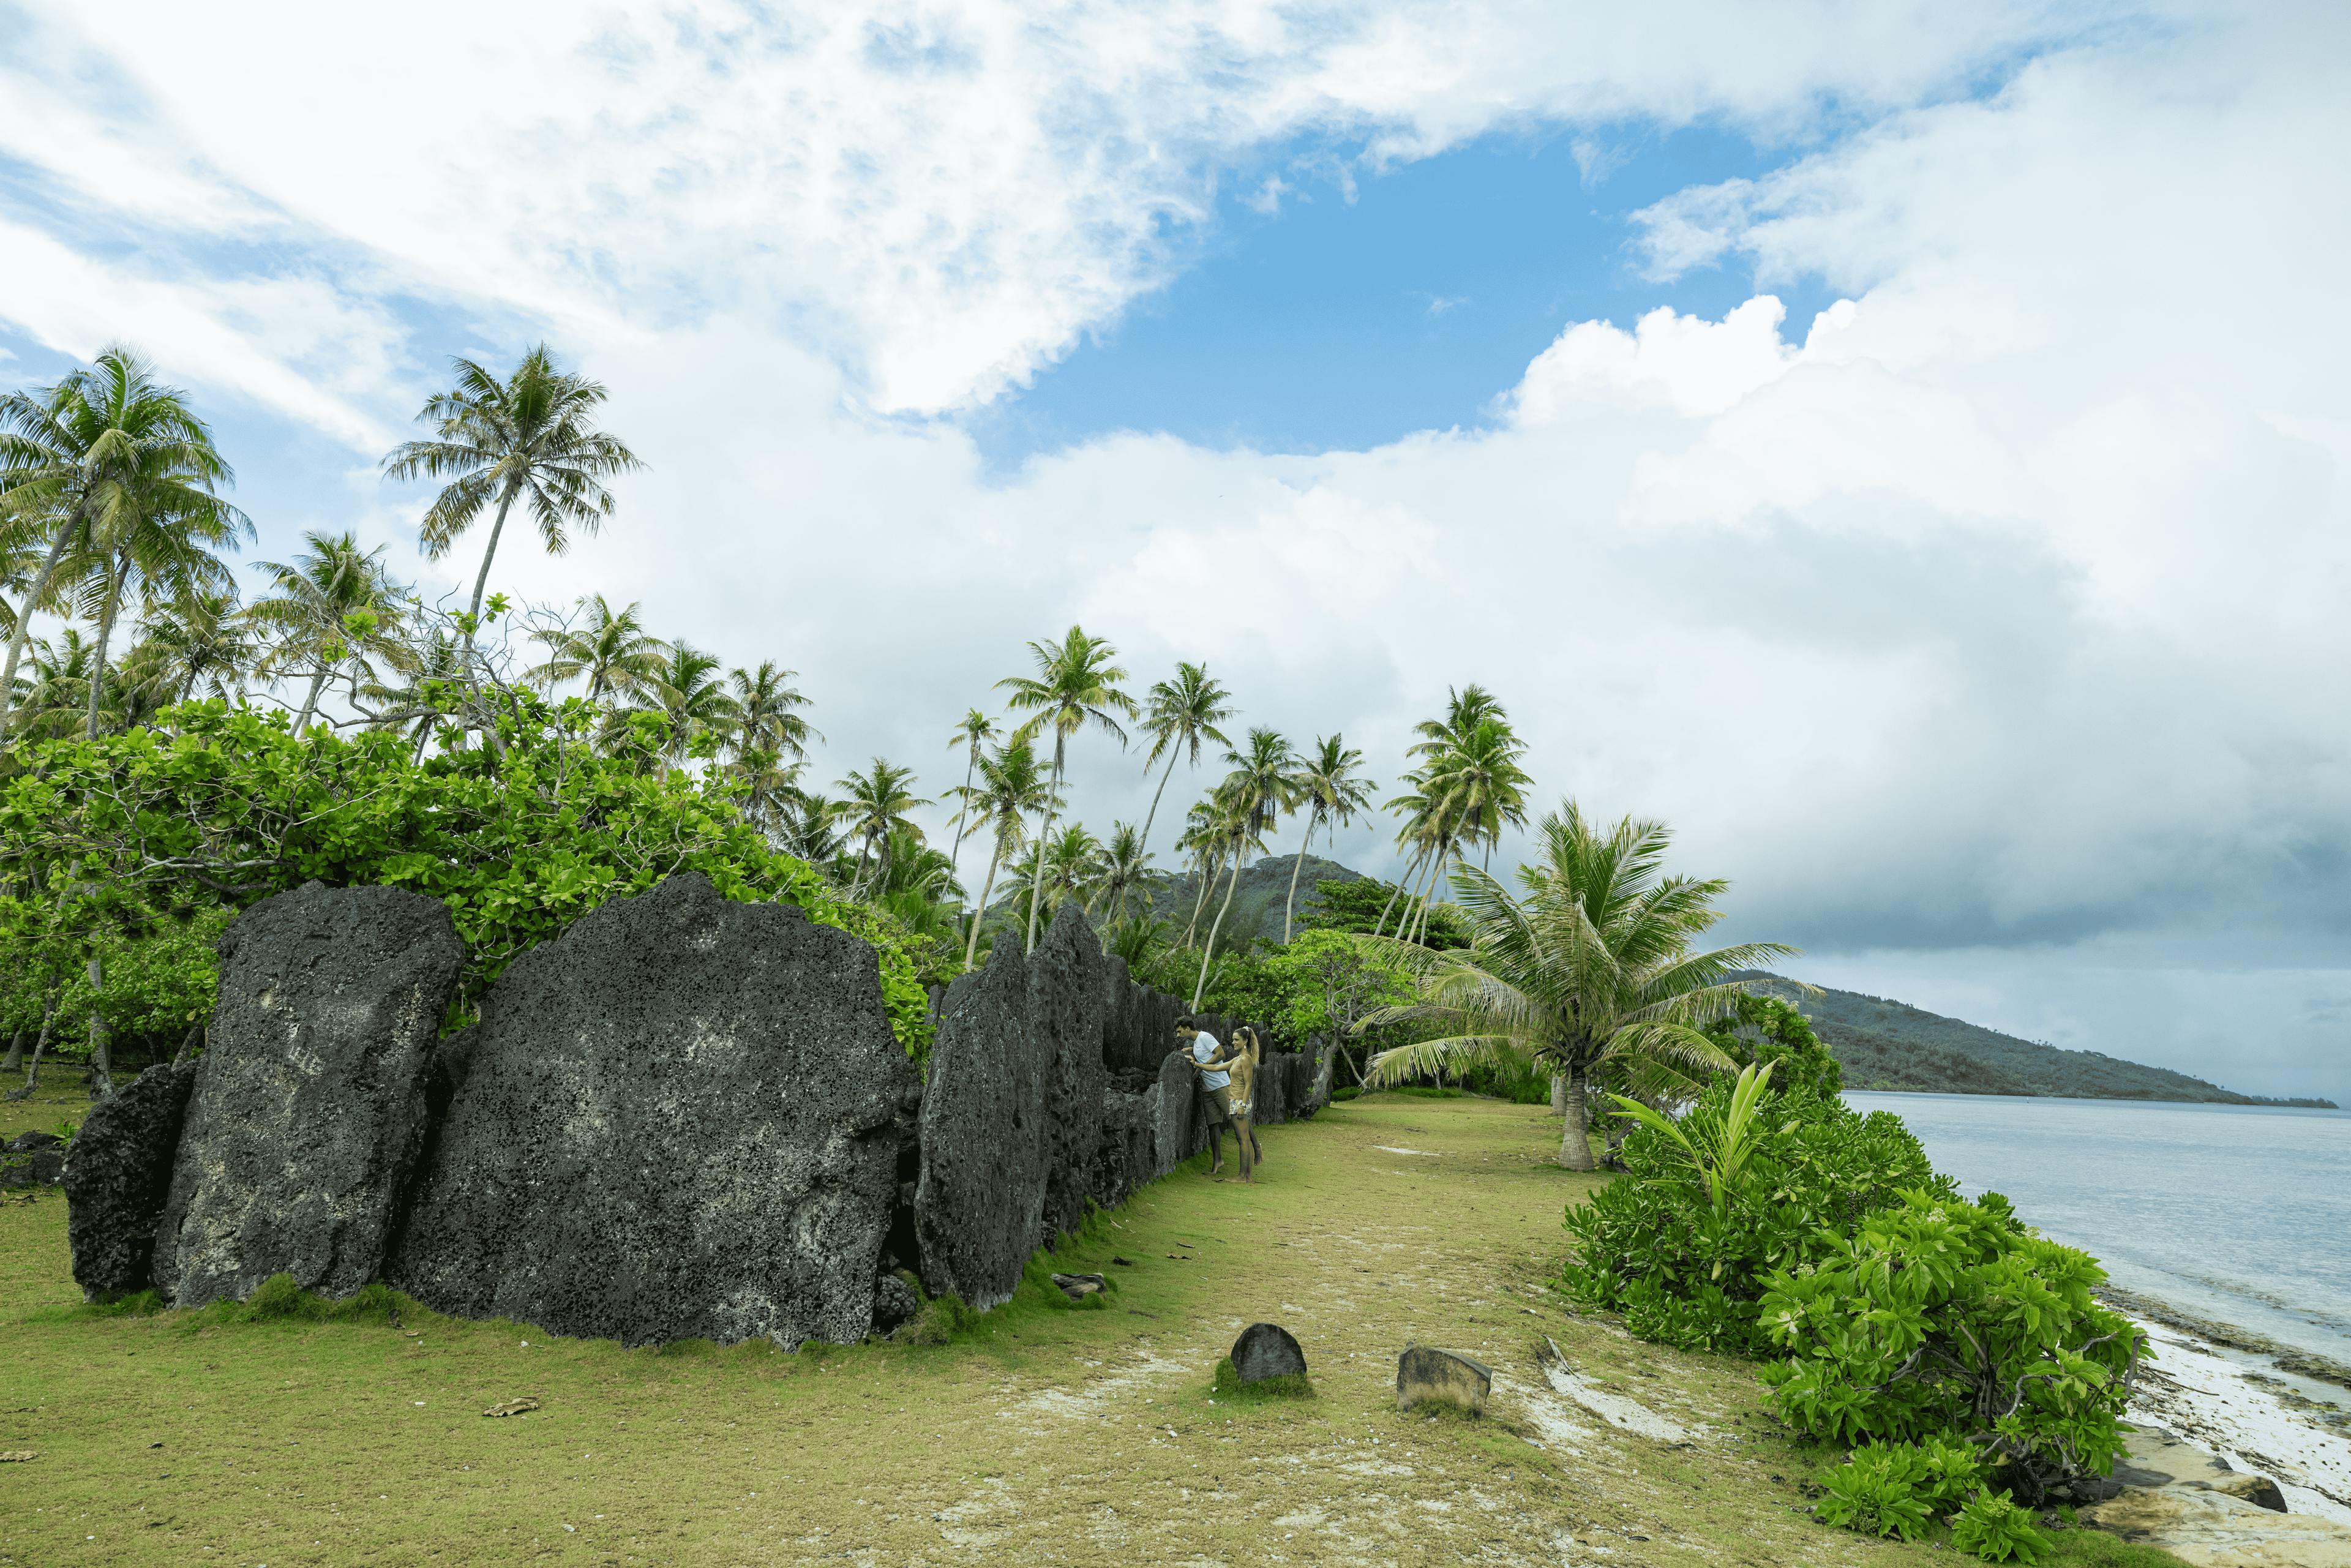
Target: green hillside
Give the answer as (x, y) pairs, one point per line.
(1891, 1045)
(1257, 899)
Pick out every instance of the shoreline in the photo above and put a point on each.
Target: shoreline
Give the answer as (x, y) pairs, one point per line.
(2233, 1394)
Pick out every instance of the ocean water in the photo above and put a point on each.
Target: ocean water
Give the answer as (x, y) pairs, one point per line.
(2237, 1213)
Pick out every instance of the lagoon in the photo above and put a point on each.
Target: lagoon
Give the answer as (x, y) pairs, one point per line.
(2240, 1214)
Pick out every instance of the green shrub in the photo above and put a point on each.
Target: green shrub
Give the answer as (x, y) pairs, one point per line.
(1945, 1316)
(280, 1299)
(1684, 1256)
(1995, 1529)
(1873, 1493)
(1768, 1032)
(1229, 1387)
(943, 1320)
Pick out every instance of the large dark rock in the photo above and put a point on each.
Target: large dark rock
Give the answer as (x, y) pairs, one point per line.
(1138, 1021)
(1127, 1155)
(1267, 1349)
(32, 1159)
(1177, 1130)
(674, 1122)
(1270, 1093)
(1065, 1009)
(987, 1137)
(117, 1172)
(308, 1108)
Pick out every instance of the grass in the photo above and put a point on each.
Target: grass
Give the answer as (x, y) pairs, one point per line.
(312, 1433)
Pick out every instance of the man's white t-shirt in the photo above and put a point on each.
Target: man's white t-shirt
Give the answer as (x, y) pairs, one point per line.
(1205, 1048)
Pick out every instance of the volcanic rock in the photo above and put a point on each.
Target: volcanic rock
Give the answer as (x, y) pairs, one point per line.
(308, 1109)
(1439, 1376)
(1065, 1009)
(673, 1121)
(1267, 1349)
(32, 1159)
(117, 1172)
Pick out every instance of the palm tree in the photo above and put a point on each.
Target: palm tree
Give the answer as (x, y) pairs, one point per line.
(1592, 968)
(161, 546)
(528, 438)
(1252, 800)
(1204, 840)
(201, 639)
(610, 647)
(975, 729)
(808, 827)
(100, 462)
(1011, 786)
(1076, 685)
(770, 785)
(333, 605)
(875, 805)
(419, 702)
(766, 711)
(1070, 868)
(1473, 787)
(1124, 861)
(685, 692)
(1179, 715)
(1331, 790)
(49, 700)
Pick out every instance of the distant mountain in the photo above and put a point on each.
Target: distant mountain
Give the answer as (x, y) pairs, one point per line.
(1258, 898)
(1883, 1044)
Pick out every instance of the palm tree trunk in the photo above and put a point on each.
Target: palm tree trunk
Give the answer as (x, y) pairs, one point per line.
(1558, 1094)
(971, 947)
(101, 1046)
(310, 700)
(1423, 886)
(106, 609)
(1296, 866)
(188, 1043)
(1152, 815)
(963, 816)
(25, 625)
(1575, 1137)
(1208, 874)
(1208, 950)
(482, 577)
(1411, 874)
(1037, 884)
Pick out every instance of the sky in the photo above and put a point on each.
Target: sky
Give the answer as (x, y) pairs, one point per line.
(1904, 447)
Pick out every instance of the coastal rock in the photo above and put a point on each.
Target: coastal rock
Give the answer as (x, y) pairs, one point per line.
(117, 1173)
(1267, 1349)
(987, 1136)
(895, 1303)
(1269, 1095)
(1138, 1021)
(2210, 1529)
(32, 1159)
(1442, 1377)
(1065, 1010)
(308, 1109)
(675, 1121)
(1125, 1154)
(1178, 1130)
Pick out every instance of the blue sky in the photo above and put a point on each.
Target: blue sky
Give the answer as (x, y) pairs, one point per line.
(1401, 300)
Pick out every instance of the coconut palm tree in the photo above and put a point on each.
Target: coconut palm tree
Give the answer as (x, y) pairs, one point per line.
(51, 695)
(529, 438)
(1179, 715)
(686, 692)
(1204, 840)
(1592, 967)
(1125, 862)
(1011, 786)
(332, 606)
(1473, 787)
(975, 729)
(1071, 867)
(201, 640)
(766, 713)
(161, 546)
(610, 647)
(1252, 797)
(874, 805)
(107, 460)
(1330, 785)
(808, 826)
(1075, 685)
(770, 785)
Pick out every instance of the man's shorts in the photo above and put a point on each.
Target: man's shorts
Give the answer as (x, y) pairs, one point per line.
(1219, 1106)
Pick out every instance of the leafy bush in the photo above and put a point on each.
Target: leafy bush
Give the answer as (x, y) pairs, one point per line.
(1995, 1529)
(1873, 1493)
(1944, 1316)
(106, 841)
(1766, 1032)
(1685, 1257)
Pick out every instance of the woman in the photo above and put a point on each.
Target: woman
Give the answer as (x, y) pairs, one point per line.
(1249, 1054)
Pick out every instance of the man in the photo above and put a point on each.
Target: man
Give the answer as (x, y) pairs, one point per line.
(1215, 1086)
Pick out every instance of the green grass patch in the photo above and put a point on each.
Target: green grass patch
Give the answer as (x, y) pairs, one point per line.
(1264, 1391)
(2098, 1549)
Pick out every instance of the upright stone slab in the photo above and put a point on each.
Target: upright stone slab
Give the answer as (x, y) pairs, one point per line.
(1138, 1024)
(987, 1135)
(1177, 1133)
(1065, 1009)
(1270, 1093)
(674, 1122)
(1127, 1154)
(308, 1108)
(1266, 1351)
(118, 1172)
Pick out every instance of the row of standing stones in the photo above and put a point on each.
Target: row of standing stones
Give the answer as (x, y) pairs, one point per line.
(685, 1118)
